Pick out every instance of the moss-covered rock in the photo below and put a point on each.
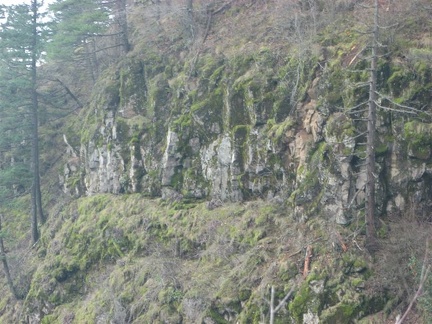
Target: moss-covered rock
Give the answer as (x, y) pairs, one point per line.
(419, 138)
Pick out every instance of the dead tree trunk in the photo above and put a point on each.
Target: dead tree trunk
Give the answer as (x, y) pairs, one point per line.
(123, 24)
(274, 309)
(370, 147)
(190, 18)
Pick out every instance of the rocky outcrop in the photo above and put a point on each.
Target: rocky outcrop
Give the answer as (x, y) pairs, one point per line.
(235, 131)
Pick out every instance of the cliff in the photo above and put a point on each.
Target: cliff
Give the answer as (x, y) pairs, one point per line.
(257, 122)
(206, 162)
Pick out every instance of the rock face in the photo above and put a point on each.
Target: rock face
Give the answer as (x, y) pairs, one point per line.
(235, 131)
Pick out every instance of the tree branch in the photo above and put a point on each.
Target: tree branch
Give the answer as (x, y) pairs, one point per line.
(423, 276)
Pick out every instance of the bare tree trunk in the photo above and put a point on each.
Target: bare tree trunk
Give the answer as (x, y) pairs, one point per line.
(69, 92)
(123, 24)
(370, 148)
(34, 220)
(272, 312)
(5, 264)
(190, 15)
(273, 309)
(91, 59)
(189, 7)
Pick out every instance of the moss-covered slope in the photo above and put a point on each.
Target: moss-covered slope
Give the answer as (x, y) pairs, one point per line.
(127, 259)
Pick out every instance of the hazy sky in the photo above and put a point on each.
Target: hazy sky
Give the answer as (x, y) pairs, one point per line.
(11, 2)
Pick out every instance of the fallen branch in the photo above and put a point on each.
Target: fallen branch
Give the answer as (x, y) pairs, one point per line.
(222, 8)
(355, 195)
(308, 256)
(355, 242)
(341, 242)
(295, 253)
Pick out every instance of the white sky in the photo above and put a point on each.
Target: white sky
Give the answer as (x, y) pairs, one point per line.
(11, 2)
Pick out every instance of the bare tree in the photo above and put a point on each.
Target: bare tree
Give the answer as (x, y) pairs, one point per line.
(121, 19)
(371, 130)
(274, 309)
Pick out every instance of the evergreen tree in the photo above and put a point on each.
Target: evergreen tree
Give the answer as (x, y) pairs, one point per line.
(89, 32)
(14, 108)
(74, 37)
(21, 49)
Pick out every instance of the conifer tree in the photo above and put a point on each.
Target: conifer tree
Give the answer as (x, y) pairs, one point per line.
(21, 43)
(85, 30)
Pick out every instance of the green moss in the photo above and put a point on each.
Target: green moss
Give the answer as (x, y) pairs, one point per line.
(213, 101)
(216, 76)
(251, 314)
(50, 319)
(339, 125)
(170, 295)
(340, 313)
(216, 317)
(296, 75)
(419, 138)
(240, 135)
(105, 97)
(177, 180)
(382, 232)
(299, 304)
(92, 123)
(205, 111)
(132, 85)
(356, 282)
(334, 95)
(398, 80)
(183, 122)
(317, 155)
(277, 131)
(360, 263)
(239, 113)
(244, 294)
(418, 133)
(122, 130)
(412, 84)
(158, 93)
(381, 149)
(73, 181)
(192, 244)
(210, 67)
(287, 272)
(240, 64)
